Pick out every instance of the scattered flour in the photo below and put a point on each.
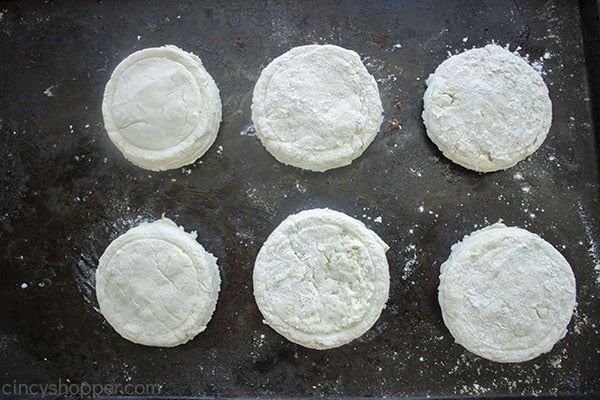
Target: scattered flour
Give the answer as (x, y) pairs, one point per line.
(258, 340)
(389, 78)
(248, 131)
(415, 172)
(410, 252)
(300, 187)
(593, 249)
(50, 91)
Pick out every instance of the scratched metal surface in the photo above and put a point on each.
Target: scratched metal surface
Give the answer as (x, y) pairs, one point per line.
(67, 192)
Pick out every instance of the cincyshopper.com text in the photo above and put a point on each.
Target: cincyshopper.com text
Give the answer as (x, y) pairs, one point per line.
(63, 388)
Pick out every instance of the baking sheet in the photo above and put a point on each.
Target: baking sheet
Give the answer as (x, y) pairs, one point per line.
(67, 192)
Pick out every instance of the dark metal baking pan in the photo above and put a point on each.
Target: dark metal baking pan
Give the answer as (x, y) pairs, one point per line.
(67, 192)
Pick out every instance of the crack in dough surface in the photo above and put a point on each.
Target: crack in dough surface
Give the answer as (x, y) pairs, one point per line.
(486, 109)
(316, 107)
(161, 108)
(321, 279)
(156, 285)
(506, 294)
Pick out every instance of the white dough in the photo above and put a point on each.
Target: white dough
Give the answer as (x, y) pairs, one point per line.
(156, 285)
(486, 109)
(161, 108)
(321, 279)
(316, 107)
(506, 294)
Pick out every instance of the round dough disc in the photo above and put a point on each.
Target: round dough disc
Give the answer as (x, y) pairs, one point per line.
(316, 107)
(506, 294)
(156, 285)
(321, 279)
(161, 108)
(486, 109)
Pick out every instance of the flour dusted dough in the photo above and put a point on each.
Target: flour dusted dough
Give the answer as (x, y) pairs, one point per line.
(486, 109)
(156, 285)
(161, 108)
(321, 279)
(316, 107)
(506, 294)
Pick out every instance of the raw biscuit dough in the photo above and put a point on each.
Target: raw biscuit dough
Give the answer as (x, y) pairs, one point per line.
(156, 285)
(506, 294)
(321, 279)
(316, 107)
(161, 108)
(486, 109)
